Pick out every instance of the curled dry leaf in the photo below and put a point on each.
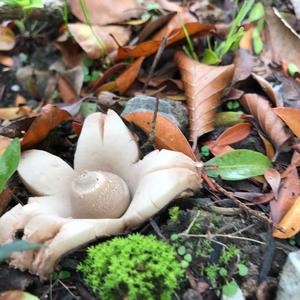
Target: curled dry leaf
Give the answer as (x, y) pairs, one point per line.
(149, 47)
(288, 192)
(290, 222)
(12, 113)
(285, 42)
(48, 119)
(97, 41)
(106, 11)
(167, 134)
(126, 79)
(268, 89)
(268, 120)
(273, 178)
(204, 86)
(291, 117)
(7, 39)
(244, 63)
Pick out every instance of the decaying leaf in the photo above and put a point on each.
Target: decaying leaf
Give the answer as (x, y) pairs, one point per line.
(48, 119)
(273, 178)
(106, 11)
(126, 79)
(268, 120)
(7, 39)
(291, 116)
(12, 113)
(97, 41)
(167, 134)
(149, 47)
(290, 222)
(288, 192)
(6, 61)
(204, 86)
(244, 63)
(285, 42)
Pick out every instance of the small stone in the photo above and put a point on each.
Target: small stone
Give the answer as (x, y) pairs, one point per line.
(289, 284)
(175, 111)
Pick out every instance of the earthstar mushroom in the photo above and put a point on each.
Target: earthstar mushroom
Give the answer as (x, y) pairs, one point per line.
(109, 190)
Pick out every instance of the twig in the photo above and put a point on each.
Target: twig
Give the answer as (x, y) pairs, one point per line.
(157, 230)
(68, 289)
(155, 61)
(245, 208)
(151, 136)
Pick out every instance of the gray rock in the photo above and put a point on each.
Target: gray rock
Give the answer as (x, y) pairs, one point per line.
(289, 284)
(173, 110)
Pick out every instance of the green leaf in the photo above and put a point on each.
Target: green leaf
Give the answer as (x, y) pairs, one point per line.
(188, 257)
(181, 250)
(184, 264)
(230, 288)
(9, 162)
(87, 108)
(258, 45)
(257, 12)
(28, 296)
(228, 118)
(25, 4)
(243, 270)
(16, 246)
(238, 165)
(210, 57)
(293, 69)
(223, 272)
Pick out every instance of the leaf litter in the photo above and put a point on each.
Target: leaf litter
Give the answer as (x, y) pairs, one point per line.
(108, 53)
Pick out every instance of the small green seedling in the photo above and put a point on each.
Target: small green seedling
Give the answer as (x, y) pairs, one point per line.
(233, 105)
(25, 4)
(204, 151)
(174, 214)
(293, 70)
(213, 56)
(230, 288)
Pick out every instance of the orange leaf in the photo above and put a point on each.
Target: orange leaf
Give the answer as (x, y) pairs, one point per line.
(126, 79)
(215, 149)
(204, 85)
(268, 146)
(290, 222)
(167, 134)
(288, 192)
(291, 116)
(48, 119)
(6, 61)
(234, 134)
(149, 47)
(66, 91)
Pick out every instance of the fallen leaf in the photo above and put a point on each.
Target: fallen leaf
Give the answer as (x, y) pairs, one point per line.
(234, 134)
(71, 53)
(12, 113)
(291, 117)
(268, 89)
(106, 11)
(66, 91)
(237, 165)
(47, 120)
(20, 100)
(290, 222)
(17, 295)
(7, 39)
(268, 146)
(170, 6)
(288, 192)
(285, 42)
(167, 134)
(244, 62)
(175, 23)
(217, 150)
(126, 79)
(97, 41)
(204, 86)
(246, 40)
(273, 178)
(4, 142)
(6, 61)
(5, 198)
(228, 118)
(149, 47)
(268, 120)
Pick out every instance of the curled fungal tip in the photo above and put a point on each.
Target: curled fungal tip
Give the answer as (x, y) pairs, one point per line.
(99, 195)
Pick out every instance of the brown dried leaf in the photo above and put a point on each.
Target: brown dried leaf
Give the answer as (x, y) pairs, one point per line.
(106, 11)
(6, 61)
(268, 120)
(244, 63)
(167, 134)
(12, 113)
(204, 86)
(273, 178)
(96, 48)
(126, 79)
(288, 192)
(7, 39)
(48, 119)
(285, 42)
